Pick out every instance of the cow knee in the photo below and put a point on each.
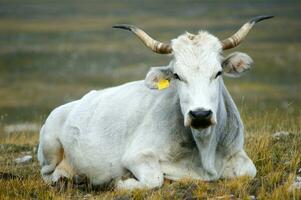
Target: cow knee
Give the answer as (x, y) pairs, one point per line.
(129, 184)
(146, 168)
(239, 165)
(132, 183)
(152, 179)
(149, 176)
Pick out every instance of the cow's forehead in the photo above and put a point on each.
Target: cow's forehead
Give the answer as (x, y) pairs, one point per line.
(197, 52)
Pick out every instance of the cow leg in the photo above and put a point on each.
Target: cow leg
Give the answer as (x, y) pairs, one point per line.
(238, 165)
(146, 169)
(51, 157)
(50, 153)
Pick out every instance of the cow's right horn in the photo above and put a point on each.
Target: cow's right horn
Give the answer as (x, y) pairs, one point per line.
(238, 37)
(154, 45)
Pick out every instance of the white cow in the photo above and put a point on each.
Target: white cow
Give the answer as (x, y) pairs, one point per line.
(137, 134)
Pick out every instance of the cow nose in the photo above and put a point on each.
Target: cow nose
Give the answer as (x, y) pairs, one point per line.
(200, 118)
(201, 114)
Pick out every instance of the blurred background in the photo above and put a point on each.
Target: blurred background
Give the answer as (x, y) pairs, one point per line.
(53, 52)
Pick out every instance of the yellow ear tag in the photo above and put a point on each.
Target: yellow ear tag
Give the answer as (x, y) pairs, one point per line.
(162, 84)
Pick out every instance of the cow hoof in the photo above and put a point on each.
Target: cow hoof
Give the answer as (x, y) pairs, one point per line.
(61, 184)
(80, 179)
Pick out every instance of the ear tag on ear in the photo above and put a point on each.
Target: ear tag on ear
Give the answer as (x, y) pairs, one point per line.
(162, 84)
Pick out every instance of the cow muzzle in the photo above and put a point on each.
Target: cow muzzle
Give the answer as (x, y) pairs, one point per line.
(201, 118)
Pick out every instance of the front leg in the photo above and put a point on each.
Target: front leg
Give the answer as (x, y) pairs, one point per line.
(146, 169)
(187, 167)
(238, 165)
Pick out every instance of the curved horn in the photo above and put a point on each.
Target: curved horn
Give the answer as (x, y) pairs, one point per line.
(240, 35)
(154, 45)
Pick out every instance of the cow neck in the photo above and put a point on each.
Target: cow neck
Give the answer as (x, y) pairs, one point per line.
(230, 134)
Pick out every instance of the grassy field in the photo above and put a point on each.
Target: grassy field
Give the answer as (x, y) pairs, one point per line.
(53, 52)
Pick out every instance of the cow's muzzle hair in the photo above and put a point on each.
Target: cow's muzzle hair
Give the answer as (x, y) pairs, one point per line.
(165, 48)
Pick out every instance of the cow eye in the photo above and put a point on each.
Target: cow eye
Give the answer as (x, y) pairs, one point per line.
(176, 76)
(218, 74)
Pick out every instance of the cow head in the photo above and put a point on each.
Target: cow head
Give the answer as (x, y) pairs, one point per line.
(196, 68)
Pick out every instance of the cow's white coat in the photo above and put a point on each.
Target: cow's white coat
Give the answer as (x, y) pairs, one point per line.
(136, 136)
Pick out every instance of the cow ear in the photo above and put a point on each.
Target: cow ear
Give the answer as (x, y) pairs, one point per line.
(236, 64)
(157, 74)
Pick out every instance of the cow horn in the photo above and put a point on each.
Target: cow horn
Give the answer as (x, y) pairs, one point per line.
(154, 45)
(240, 35)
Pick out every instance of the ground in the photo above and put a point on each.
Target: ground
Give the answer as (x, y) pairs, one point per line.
(55, 51)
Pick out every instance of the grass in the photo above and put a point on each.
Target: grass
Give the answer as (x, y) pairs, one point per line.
(53, 52)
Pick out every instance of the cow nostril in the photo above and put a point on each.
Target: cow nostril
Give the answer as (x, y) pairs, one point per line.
(191, 113)
(207, 113)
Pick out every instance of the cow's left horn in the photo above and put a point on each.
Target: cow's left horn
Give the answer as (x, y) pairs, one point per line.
(240, 35)
(154, 45)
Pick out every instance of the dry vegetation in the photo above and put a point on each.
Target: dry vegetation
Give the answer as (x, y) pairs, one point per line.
(52, 52)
